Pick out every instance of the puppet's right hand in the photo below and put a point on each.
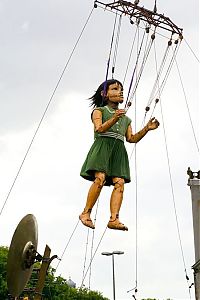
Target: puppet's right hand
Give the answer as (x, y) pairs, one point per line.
(119, 113)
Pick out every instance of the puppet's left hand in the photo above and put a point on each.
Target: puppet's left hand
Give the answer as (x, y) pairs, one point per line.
(153, 124)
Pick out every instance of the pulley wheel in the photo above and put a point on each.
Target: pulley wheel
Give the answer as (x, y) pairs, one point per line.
(21, 255)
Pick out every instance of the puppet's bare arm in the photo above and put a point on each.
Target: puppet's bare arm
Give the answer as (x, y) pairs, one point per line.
(135, 138)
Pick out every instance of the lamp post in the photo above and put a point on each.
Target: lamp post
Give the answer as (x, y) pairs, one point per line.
(113, 266)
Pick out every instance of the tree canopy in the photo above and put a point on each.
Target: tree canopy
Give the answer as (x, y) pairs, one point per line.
(55, 288)
(3, 263)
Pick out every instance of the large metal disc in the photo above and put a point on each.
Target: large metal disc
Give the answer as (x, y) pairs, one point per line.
(21, 255)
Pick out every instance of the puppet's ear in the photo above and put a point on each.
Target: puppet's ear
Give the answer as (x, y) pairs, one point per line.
(102, 94)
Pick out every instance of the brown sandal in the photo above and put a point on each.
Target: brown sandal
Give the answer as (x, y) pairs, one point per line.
(86, 220)
(116, 224)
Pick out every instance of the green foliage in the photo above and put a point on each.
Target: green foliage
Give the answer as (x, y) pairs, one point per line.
(55, 288)
(3, 263)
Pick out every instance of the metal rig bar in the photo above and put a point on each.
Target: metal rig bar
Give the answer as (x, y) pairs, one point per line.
(141, 13)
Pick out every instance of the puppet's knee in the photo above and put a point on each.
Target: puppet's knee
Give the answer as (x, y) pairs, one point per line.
(99, 179)
(118, 184)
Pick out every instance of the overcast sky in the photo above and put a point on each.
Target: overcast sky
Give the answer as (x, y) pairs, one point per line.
(36, 40)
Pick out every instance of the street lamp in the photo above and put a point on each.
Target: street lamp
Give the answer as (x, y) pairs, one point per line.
(113, 266)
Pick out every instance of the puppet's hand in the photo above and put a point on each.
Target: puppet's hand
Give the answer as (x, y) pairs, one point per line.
(119, 113)
(153, 124)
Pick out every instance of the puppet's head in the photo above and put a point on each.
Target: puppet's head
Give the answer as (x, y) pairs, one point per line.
(100, 97)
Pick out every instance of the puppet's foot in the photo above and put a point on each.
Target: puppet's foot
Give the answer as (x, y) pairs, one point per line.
(116, 224)
(85, 219)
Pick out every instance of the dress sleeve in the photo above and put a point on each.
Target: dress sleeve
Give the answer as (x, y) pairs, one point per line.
(96, 108)
(128, 121)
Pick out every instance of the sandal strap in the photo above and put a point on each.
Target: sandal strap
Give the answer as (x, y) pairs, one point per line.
(85, 221)
(112, 224)
(85, 211)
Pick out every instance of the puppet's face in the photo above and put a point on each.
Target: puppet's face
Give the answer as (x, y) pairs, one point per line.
(115, 93)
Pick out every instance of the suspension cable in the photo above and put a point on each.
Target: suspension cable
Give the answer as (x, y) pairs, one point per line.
(130, 55)
(136, 201)
(173, 200)
(146, 54)
(92, 244)
(162, 85)
(175, 51)
(136, 210)
(109, 56)
(63, 253)
(45, 111)
(191, 50)
(171, 185)
(86, 248)
(158, 74)
(116, 46)
(60, 259)
(186, 102)
(93, 256)
(134, 70)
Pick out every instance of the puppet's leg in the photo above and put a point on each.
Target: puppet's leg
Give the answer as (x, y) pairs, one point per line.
(92, 197)
(115, 204)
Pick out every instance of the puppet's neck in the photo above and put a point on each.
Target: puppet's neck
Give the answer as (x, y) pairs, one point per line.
(113, 105)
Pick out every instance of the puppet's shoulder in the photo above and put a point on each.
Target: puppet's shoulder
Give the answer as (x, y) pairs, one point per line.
(101, 109)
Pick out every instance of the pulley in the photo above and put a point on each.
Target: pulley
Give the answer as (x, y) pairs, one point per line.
(23, 254)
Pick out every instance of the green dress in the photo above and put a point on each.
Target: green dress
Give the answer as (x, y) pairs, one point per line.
(108, 153)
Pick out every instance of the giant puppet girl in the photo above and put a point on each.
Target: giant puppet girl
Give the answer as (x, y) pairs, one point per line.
(107, 160)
